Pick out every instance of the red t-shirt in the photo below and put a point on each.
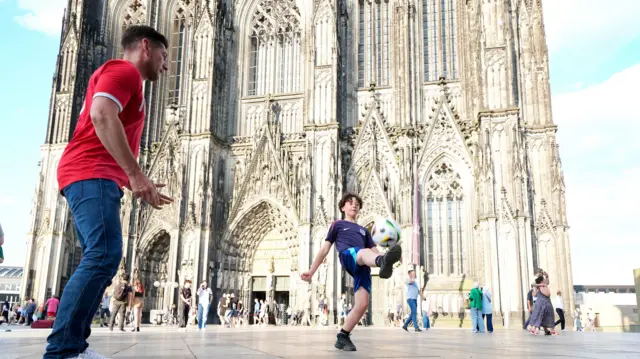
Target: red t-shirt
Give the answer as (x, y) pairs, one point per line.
(85, 157)
(52, 305)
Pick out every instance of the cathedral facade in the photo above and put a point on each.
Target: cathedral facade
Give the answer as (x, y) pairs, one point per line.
(436, 112)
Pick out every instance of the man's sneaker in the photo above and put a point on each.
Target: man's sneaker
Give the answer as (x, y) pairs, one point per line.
(388, 260)
(418, 330)
(405, 329)
(344, 342)
(90, 354)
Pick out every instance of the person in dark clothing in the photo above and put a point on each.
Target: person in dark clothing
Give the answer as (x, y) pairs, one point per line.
(231, 307)
(222, 308)
(559, 305)
(31, 309)
(185, 304)
(531, 300)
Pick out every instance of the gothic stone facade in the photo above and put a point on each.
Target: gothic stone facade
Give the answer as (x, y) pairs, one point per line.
(437, 112)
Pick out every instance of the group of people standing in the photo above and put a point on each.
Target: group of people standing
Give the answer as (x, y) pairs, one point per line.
(27, 313)
(481, 308)
(480, 305)
(125, 299)
(185, 313)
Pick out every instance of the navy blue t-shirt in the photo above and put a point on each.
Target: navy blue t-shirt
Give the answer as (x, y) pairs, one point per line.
(345, 235)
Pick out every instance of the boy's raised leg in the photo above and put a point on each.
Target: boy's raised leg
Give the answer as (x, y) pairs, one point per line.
(367, 257)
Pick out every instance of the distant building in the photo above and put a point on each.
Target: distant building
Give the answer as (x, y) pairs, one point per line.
(636, 276)
(615, 306)
(10, 279)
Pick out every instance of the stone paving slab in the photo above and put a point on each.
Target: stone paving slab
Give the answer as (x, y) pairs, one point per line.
(308, 343)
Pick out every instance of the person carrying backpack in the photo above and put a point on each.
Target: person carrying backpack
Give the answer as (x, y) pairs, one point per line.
(121, 299)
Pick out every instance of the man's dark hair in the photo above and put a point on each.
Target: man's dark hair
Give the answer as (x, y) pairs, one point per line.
(410, 271)
(135, 33)
(347, 198)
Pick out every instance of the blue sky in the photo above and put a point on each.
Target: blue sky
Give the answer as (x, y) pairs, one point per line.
(595, 69)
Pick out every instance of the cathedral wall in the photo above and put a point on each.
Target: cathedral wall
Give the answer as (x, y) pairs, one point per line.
(339, 104)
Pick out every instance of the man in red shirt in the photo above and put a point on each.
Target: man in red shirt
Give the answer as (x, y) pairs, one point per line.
(97, 163)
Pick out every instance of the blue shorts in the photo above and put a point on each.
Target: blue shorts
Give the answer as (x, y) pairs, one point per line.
(361, 274)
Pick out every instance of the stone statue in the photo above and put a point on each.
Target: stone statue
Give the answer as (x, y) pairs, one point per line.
(272, 267)
(163, 271)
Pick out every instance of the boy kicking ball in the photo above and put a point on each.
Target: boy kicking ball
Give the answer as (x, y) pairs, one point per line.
(358, 254)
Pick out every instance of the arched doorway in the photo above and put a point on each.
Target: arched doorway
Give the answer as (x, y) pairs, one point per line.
(262, 246)
(271, 270)
(153, 267)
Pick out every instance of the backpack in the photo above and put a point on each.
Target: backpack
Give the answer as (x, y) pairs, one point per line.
(119, 292)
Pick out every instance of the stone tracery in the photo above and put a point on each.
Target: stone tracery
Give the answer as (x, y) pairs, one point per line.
(245, 235)
(444, 212)
(275, 48)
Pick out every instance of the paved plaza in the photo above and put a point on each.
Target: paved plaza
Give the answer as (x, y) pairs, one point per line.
(290, 342)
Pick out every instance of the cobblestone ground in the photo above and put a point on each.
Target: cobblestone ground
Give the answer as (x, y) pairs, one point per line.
(291, 342)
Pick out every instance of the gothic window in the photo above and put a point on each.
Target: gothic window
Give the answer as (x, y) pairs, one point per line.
(443, 212)
(324, 39)
(439, 40)
(176, 62)
(134, 13)
(373, 43)
(274, 49)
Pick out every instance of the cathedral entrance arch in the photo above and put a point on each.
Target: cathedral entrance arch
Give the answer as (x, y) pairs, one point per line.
(271, 270)
(262, 246)
(152, 269)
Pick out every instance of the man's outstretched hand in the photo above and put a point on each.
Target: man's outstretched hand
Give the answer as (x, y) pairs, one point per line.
(142, 187)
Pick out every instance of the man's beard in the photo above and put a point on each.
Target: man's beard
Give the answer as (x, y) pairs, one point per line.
(152, 75)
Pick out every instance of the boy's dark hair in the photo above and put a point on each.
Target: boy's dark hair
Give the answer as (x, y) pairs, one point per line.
(410, 270)
(135, 33)
(125, 277)
(347, 198)
(539, 279)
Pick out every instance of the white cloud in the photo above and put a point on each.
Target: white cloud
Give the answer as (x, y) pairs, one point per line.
(597, 131)
(42, 15)
(594, 22)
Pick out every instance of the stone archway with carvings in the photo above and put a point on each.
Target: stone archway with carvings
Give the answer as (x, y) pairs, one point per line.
(152, 266)
(237, 253)
(246, 233)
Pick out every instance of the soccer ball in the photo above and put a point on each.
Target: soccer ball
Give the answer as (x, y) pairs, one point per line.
(385, 232)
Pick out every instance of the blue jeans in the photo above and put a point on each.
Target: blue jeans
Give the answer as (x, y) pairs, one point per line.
(489, 318)
(95, 207)
(426, 323)
(413, 305)
(477, 324)
(203, 312)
